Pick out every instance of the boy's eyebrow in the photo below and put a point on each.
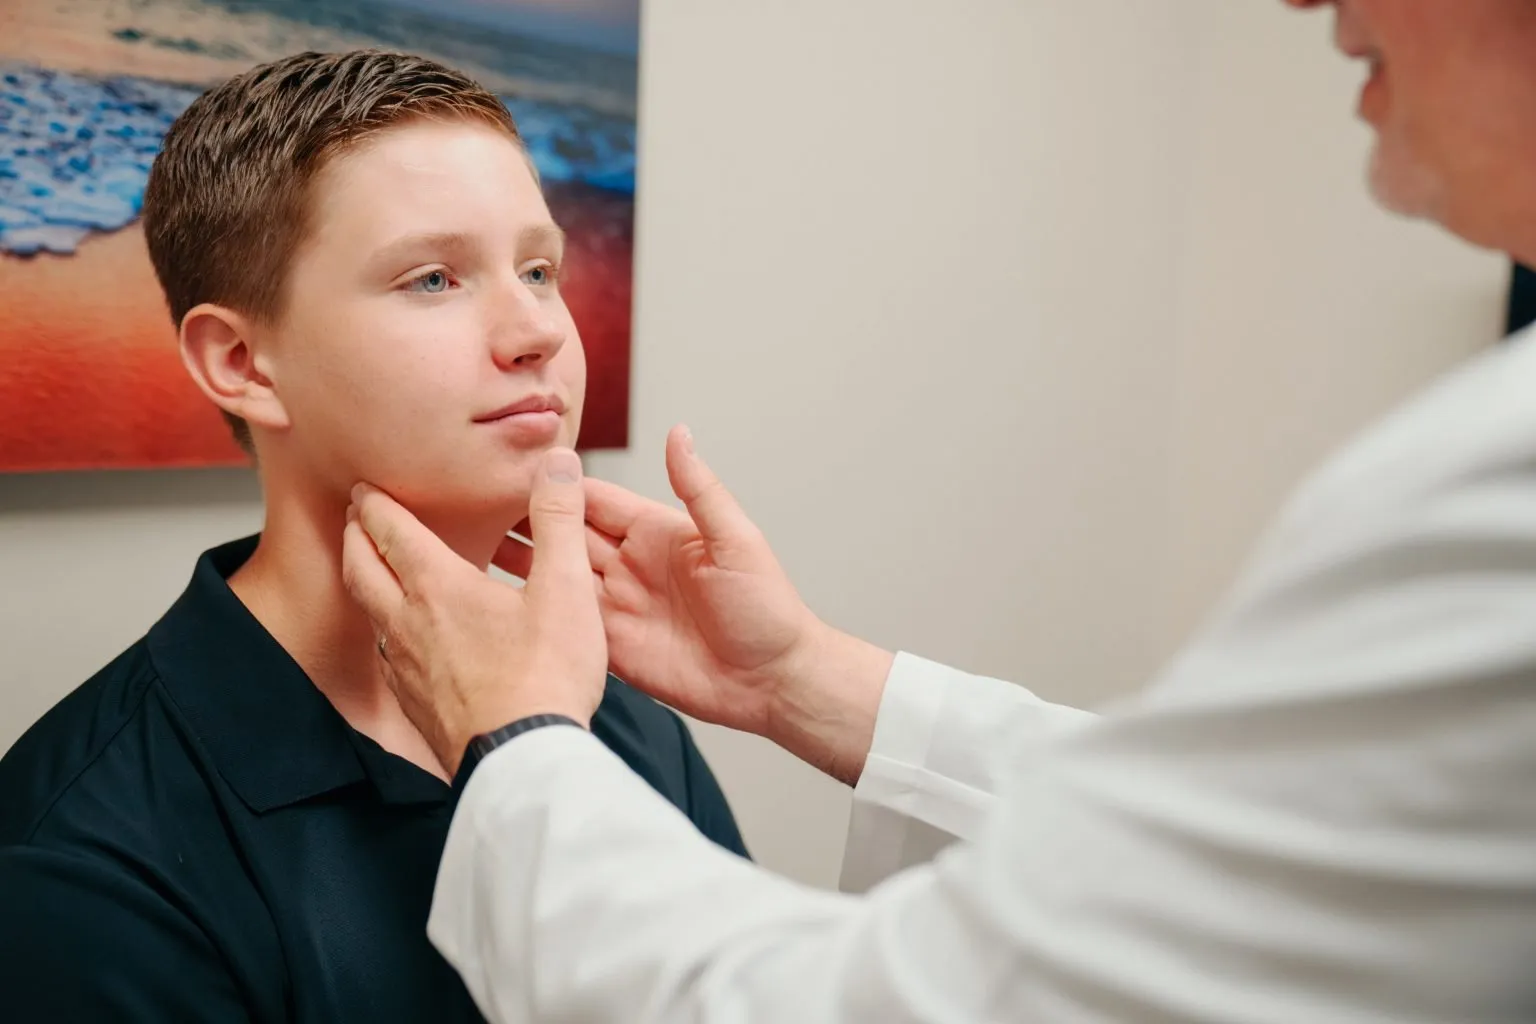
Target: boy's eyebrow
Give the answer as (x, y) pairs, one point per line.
(456, 243)
(401, 249)
(538, 235)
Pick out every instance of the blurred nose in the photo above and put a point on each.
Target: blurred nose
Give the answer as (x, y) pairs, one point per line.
(526, 333)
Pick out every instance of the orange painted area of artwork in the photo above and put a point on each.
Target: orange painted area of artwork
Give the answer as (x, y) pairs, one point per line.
(89, 373)
(90, 377)
(72, 402)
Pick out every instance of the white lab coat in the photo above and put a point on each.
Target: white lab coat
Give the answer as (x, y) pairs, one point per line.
(1323, 810)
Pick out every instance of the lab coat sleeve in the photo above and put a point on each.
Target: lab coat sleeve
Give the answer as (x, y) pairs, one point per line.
(941, 743)
(1337, 855)
(648, 924)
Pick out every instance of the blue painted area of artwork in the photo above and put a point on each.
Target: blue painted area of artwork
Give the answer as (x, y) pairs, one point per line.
(75, 150)
(575, 143)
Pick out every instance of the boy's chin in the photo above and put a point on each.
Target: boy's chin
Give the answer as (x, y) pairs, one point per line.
(500, 493)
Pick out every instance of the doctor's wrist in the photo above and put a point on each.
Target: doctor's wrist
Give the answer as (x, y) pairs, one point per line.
(483, 744)
(824, 707)
(457, 728)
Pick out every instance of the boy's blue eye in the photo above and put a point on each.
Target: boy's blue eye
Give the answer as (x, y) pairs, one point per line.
(541, 276)
(433, 283)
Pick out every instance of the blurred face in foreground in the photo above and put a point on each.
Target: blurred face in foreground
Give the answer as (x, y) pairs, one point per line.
(1451, 94)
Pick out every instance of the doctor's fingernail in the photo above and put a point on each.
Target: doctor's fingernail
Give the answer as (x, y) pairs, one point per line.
(688, 441)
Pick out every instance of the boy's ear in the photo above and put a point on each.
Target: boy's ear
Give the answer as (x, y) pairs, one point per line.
(216, 346)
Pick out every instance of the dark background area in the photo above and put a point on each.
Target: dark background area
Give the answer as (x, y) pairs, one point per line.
(1522, 298)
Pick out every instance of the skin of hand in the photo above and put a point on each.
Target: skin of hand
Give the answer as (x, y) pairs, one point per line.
(465, 653)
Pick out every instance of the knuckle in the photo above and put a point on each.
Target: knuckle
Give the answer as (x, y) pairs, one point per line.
(424, 588)
(719, 496)
(421, 601)
(562, 505)
(383, 543)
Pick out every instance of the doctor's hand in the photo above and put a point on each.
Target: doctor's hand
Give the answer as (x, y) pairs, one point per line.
(699, 614)
(465, 653)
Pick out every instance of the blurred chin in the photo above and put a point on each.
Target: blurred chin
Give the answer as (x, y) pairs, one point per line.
(1404, 184)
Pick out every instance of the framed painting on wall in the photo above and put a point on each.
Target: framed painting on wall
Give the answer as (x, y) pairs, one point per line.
(90, 377)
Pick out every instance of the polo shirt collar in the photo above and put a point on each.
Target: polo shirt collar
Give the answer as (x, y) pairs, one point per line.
(273, 736)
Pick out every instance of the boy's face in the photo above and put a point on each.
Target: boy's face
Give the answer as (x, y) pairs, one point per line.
(422, 312)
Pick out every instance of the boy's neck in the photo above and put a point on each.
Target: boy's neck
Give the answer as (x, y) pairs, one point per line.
(292, 585)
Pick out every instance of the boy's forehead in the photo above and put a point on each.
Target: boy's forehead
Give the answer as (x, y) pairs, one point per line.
(428, 177)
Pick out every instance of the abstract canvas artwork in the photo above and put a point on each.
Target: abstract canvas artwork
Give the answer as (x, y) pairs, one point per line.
(90, 376)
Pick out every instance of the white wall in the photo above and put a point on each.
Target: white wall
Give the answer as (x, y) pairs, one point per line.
(1009, 320)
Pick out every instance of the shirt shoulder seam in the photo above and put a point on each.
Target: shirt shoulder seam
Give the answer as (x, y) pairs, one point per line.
(136, 706)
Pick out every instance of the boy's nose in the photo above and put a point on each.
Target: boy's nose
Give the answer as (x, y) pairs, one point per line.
(527, 336)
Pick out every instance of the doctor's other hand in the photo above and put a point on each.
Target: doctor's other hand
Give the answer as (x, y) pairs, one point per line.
(466, 653)
(699, 614)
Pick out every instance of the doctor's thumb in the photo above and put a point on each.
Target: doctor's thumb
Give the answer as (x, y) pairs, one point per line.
(556, 513)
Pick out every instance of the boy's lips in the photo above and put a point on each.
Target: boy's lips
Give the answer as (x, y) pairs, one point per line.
(531, 422)
(533, 405)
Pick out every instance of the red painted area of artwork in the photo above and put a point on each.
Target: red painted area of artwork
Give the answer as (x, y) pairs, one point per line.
(90, 377)
(600, 288)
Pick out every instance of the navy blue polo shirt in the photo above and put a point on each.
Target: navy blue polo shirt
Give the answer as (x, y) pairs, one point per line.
(197, 834)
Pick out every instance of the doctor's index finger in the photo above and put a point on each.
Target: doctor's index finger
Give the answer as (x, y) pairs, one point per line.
(412, 552)
(366, 576)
